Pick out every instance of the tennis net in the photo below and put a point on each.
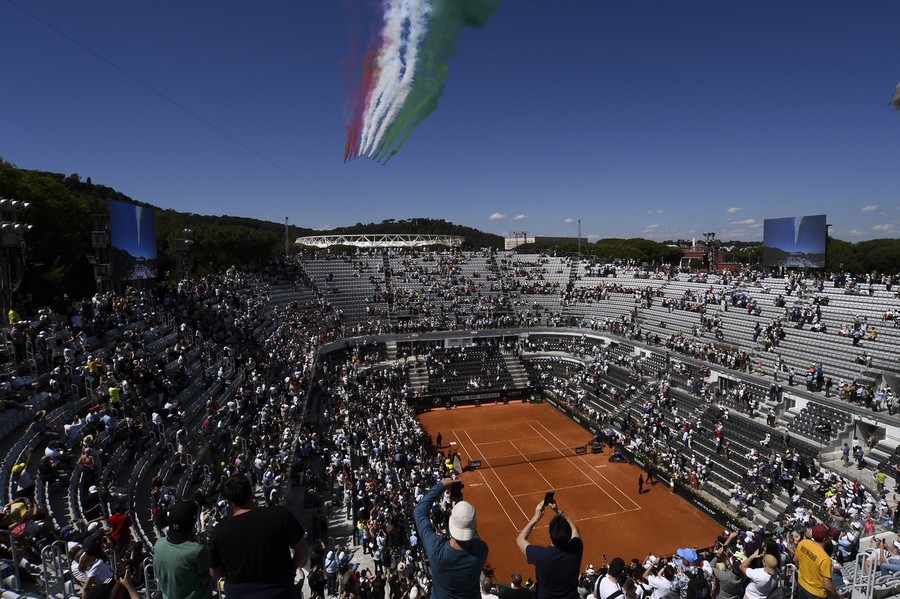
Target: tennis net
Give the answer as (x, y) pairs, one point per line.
(525, 458)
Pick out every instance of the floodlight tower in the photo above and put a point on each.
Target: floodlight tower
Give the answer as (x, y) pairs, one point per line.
(183, 246)
(712, 254)
(12, 242)
(523, 234)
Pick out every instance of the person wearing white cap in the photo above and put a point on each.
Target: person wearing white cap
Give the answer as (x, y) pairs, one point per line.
(848, 542)
(457, 562)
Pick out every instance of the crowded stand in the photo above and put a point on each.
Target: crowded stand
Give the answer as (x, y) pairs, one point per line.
(303, 378)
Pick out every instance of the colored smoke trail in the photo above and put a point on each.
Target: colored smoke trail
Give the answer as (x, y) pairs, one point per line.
(403, 77)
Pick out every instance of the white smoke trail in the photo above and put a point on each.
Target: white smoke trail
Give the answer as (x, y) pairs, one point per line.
(798, 221)
(394, 83)
(138, 215)
(418, 27)
(385, 68)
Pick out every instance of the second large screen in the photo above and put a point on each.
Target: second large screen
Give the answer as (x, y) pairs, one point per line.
(133, 236)
(795, 242)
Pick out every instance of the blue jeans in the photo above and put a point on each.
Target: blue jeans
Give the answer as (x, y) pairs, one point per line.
(890, 566)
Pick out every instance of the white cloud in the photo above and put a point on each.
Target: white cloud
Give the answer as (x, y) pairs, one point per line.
(747, 221)
(755, 225)
(651, 227)
(569, 220)
(323, 228)
(520, 217)
(733, 209)
(497, 216)
(855, 233)
(869, 208)
(884, 227)
(656, 211)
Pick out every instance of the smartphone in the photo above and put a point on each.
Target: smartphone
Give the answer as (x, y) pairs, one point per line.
(456, 490)
(548, 498)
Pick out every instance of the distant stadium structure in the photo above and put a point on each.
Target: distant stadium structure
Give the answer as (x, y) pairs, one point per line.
(515, 240)
(389, 240)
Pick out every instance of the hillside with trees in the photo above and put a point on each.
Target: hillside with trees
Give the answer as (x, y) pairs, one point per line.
(63, 208)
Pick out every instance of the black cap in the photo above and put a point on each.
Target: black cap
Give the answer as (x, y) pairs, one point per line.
(182, 518)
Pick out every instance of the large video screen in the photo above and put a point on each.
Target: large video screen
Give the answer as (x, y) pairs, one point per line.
(133, 240)
(795, 242)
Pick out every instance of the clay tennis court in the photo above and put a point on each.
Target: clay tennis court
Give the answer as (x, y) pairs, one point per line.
(599, 495)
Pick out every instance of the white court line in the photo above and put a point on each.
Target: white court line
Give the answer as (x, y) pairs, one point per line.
(500, 480)
(549, 486)
(590, 478)
(484, 480)
(637, 509)
(508, 440)
(556, 489)
(633, 502)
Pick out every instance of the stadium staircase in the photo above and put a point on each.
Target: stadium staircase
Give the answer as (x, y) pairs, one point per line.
(418, 377)
(516, 370)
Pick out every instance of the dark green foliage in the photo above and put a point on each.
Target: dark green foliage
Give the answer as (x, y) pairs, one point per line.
(472, 238)
(63, 207)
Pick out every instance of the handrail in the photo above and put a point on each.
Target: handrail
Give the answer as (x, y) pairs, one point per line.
(10, 540)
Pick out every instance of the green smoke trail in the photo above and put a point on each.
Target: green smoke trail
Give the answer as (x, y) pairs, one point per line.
(448, 18)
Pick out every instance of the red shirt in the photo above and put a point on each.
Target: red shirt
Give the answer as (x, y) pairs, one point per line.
(120, 528)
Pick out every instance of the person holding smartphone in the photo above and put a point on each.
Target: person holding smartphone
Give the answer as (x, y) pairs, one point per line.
(456, 562)
(557, 567)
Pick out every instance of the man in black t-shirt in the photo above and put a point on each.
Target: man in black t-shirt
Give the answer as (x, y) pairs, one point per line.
(516, 590)
(557, 567)
(252, 548)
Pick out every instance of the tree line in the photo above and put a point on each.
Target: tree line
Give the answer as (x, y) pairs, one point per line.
(63, 209)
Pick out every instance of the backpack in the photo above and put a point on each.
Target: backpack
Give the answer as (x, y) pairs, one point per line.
(698, 587)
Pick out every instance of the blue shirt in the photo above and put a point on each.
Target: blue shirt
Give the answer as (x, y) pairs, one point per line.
(455, 574)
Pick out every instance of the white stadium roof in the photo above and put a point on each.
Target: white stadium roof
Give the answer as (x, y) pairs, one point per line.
(400, 240)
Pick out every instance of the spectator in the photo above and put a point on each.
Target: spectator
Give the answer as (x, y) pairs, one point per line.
(181, 563)
(252, 548)
(762, 581)
(814, 565)
(331, 572)
(659, 576)
(516, 590)
(98, 576)
(556, 567)
(456, 563)
(690, 575)
(611, 584)
(120, 526)
(488, 589)
(729, 575)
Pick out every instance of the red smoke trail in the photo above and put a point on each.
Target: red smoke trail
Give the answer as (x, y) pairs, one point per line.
(358, 76)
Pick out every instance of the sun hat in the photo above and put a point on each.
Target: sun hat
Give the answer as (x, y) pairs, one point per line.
(462, 521)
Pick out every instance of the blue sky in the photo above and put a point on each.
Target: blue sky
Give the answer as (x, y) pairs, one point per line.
(658, 119)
